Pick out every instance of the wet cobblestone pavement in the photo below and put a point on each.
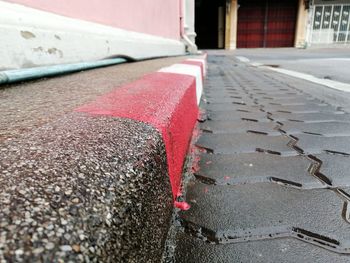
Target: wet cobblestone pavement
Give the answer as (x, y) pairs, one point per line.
(273, 182)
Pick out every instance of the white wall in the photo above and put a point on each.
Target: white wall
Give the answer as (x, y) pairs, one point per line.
(29, 38)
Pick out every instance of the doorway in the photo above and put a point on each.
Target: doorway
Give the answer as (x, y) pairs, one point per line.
(266, 23)
(210, 23)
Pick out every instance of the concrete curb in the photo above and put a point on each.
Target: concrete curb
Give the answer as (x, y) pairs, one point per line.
(93, 186)
(168, 100)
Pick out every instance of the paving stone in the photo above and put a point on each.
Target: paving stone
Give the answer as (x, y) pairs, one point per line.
(283, 96)
(234, 95)
(286, 250)
(238, 115)
(223, 99)
(274, 93)
(299, 101)
(240, 127)
(261, 211)
(245, 143)
(224, 90)
(313, 144)
(232, 169)
(232, 100)
(324, 128)
(224, 94)
(309, 108)
(311, 117)
(336, 168)
(230, 106)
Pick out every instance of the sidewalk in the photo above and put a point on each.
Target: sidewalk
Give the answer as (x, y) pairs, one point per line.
(273, 181)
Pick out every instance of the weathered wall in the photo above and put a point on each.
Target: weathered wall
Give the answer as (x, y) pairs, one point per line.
(156, 17)
(33, 37)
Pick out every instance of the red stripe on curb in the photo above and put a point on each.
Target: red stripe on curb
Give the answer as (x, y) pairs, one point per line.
(167, 101)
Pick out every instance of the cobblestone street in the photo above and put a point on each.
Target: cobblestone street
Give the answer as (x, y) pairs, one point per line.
(273, 180)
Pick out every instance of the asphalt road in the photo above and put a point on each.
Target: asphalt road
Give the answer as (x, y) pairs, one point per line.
(327, 63)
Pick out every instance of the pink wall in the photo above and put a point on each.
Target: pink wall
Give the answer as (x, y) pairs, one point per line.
(156, 17)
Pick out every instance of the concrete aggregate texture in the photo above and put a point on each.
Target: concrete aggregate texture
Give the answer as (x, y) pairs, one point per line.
(79, 188)
(272, 181)
(26, 106)
(84, 189)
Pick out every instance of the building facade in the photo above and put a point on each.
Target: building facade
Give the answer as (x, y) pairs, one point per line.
(272, 23)
(329, 22)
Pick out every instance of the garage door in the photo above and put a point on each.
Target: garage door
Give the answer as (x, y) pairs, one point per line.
(266, 23)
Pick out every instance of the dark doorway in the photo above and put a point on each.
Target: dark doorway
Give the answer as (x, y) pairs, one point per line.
(210, 24)
(266, 23)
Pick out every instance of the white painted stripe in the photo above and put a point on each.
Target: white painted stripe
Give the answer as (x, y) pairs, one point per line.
(31, 37)
(203, 61)
(243, 59)
(256, 64)
(191, 70)
(325, 82)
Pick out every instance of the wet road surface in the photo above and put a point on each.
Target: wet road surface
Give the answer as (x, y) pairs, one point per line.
(273, 183)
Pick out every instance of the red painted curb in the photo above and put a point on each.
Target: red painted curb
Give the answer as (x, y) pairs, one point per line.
(168, 102)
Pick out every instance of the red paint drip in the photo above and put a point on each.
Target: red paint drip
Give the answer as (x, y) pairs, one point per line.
(182, 205)
(167, 101)
(195, 164)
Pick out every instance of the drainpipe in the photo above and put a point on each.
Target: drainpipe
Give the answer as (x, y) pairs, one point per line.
(16, 75)
(186, 36)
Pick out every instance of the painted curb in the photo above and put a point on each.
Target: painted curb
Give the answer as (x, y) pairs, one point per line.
(168, 100)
